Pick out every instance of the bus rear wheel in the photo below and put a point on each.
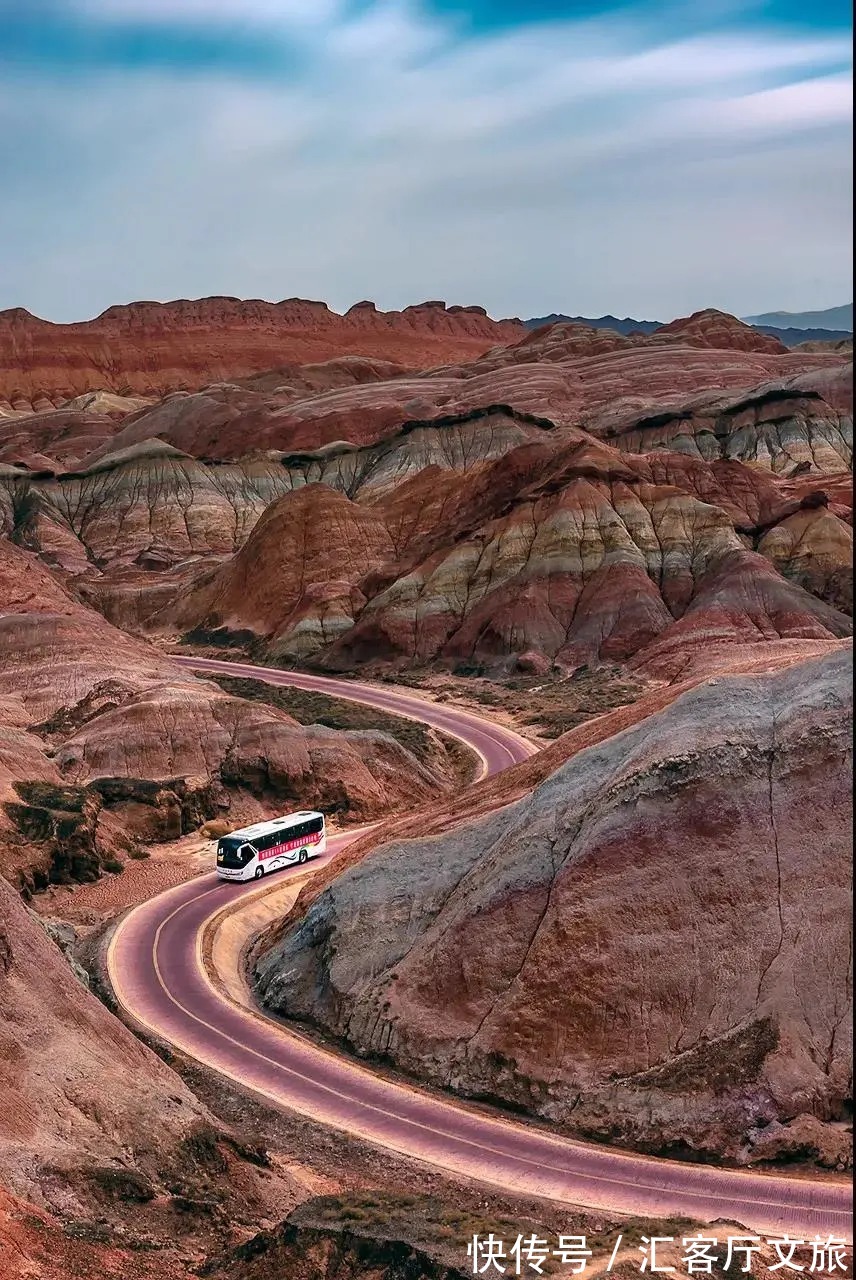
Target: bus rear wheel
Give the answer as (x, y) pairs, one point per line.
(302, 856)
(259, 873)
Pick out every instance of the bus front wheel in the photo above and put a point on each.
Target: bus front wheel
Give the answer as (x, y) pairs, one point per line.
(302, 856)
(259, 873)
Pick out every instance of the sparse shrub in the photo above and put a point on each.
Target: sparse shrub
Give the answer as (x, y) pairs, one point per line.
(487, 697)
(123, 1184)
(48, 795)
(91, 1232)
(25, 510)
(113, 865)
(202, 1148)
(468, 667)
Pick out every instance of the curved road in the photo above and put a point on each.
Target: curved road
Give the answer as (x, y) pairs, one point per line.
(156, 970)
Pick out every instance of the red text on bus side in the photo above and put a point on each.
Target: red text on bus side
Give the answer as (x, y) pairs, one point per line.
(285, 846)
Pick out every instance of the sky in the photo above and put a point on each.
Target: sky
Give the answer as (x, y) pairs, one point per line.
(644, 158)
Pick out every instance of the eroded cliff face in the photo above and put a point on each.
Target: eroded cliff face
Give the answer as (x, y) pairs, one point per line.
(568, 374)
(651, 948)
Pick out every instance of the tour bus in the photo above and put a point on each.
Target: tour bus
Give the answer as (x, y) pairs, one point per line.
(250, 853)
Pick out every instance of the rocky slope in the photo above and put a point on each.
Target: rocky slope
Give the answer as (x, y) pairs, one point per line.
(96, 1127)
(567, 374)
(496, 510)
(106, 742)
(151, 347)
(626, 951)
(553, 553)
(302, 1250)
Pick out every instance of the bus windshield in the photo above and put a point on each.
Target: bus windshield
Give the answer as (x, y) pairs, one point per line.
(233, 853)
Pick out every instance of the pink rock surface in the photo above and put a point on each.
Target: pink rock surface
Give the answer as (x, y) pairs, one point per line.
(94, 1122)
(624, 950)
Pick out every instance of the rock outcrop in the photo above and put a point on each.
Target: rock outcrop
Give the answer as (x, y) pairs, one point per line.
(650, 948)
(790, 427)
(328, 1240)
(565, 377)
(56, 440)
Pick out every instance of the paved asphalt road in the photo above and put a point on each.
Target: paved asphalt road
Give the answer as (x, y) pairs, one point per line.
(156, 971)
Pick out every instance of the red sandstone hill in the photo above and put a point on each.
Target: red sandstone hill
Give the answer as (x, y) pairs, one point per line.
(712, 328)
(554, 553)
(105, 741)
(151, 348)
(557, 499)
(565, 373)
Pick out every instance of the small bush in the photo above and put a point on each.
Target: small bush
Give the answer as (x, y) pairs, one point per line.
(113, 865)
(47, 795)
(468, 668)
(124, 1184)
(138, 853)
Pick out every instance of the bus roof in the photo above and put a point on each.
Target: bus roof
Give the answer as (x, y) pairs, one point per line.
(264, 828)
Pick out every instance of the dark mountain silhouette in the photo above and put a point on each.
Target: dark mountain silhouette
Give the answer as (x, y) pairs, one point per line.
(793, 337)
(832, 318)
(627, 325)
(791, 333)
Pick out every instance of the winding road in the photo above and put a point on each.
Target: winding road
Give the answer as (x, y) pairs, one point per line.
(156, 968)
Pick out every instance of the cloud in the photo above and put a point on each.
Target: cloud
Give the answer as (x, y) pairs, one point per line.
(262, 12)
(265, 15)
(583, 165)
(808, 103)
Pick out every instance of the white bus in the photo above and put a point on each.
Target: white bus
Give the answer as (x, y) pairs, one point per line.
(250, 853)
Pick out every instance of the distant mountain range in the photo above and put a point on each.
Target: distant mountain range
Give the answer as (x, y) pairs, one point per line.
(627, 325)
(832, 318)
(790, 327)
(793, 337)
